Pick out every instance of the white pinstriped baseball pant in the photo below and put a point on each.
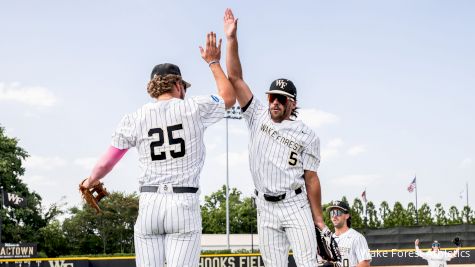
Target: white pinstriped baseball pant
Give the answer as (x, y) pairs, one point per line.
(286, 223)
(168, 229)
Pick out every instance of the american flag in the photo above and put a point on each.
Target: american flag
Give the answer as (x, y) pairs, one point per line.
(363, 196)
(412, 185)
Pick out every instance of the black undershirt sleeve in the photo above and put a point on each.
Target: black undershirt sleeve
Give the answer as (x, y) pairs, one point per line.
(247, 105)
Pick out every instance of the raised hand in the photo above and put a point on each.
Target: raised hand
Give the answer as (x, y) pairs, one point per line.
(212, 52)
(230, 24)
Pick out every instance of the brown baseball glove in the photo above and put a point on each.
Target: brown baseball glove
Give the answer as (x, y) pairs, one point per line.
(93, 195)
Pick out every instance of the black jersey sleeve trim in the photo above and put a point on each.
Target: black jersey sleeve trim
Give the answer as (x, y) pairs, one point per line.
(247, 105)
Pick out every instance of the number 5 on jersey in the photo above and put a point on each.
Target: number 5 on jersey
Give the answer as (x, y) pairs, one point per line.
(171, 141)
(293, 158)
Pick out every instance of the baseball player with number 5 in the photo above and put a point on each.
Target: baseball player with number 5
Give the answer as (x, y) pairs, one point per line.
(284, 155)
(168, 135)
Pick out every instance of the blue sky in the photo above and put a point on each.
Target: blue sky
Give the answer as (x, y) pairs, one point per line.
(387, 85)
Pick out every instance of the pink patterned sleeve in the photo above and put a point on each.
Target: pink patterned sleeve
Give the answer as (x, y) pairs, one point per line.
(107, 162)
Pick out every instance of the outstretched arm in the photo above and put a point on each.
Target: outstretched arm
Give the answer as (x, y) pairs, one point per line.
(419, 252)
(104, 165)
(233, 64)
(212, 54)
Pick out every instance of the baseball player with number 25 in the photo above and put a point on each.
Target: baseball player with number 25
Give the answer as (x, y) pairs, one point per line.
(168, 135)
(284, 155)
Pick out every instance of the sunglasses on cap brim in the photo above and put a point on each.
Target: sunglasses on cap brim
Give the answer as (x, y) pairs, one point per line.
(281, 98)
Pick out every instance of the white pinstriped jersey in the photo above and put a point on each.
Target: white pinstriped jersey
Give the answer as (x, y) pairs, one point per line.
(436, 259)
(353, 247)
(279, 152)
(168, 135)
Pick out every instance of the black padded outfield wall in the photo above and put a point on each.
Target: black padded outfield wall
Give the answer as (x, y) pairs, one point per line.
(403, 237)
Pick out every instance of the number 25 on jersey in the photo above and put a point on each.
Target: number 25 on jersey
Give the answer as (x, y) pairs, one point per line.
(161, 141)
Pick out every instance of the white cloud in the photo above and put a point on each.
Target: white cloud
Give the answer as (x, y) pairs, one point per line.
(356, 180)
(235, 158)
(29, 95)
(44, 163)
(331, 149)
(238, 130)
(315, 118)
(329, 153)
(86, 163)
(466, 163)
(335, 142)
(356, 150)
(38, 180)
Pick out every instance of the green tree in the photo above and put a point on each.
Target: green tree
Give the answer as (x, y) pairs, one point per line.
(357, 214)
(108, 232)
(384, 211)
(467, 215)
(20, 224)
(411, 213)
(398, 216)
(242, 216)
(425, 215)
(440, 218)
(372, 213)
(326, 217)
(81, 231)
(54, 242)
(454, 216)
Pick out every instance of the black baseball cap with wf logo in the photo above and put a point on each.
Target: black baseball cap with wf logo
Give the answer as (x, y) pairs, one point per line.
(337, 204)
(167, 68)
(283, 87)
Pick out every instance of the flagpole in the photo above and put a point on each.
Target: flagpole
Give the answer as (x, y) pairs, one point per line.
(466, 189)
(366, 209)
(1, 207)
(417, 216)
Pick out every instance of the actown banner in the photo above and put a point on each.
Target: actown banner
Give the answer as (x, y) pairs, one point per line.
(17, 251)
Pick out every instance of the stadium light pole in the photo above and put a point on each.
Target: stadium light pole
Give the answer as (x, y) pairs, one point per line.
(235, 114)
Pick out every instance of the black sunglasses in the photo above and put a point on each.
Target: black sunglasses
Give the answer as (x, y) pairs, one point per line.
(281, 98)
(436, 245)
(336, 213)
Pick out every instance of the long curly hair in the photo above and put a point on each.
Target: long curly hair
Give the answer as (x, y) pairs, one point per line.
(159, 84)
(294, 112)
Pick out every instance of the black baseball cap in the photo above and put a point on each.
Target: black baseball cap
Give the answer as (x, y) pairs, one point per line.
(167, 68)
(283, 87)
(337, 204)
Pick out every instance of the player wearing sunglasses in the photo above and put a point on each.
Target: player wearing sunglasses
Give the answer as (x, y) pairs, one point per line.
(436, 257)
(284, 155)
(352, 245)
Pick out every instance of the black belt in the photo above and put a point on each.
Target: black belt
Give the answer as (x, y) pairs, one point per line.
(183, 189)
(279, 197)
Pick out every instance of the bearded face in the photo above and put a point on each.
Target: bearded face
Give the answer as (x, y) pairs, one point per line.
(280, 107)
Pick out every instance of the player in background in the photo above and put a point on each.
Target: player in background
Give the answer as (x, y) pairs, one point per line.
(435, 257)
(284, 155)
(168, 134)
(352, 245)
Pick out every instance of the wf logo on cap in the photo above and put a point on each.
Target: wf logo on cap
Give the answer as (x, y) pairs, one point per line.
(280, 83)
(283, 86)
